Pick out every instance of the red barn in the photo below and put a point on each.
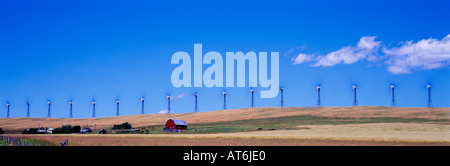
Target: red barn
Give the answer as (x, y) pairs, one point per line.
(176, 124)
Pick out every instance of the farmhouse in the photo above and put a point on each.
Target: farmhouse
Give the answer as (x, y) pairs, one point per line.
(50, 130)
(41, 130)
(85, 130)
(175, 125)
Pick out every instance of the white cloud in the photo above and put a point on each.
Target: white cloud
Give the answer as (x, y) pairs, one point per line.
(366, 48)
(302, 58)
(425, 54)
(294, 50)
(165, 112)
(179, 96)
(368, 43)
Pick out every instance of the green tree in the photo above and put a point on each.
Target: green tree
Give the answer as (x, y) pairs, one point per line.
(67, 128)
(76, 129)
(30, 131)
(125, 125)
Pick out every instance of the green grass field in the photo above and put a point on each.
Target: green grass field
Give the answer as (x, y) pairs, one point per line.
(3, 143)
(282, 123)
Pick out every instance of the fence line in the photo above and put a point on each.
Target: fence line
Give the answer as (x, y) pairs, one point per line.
(19, 141)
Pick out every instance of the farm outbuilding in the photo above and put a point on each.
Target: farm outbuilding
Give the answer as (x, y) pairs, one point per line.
(175, 125)
(102, 131)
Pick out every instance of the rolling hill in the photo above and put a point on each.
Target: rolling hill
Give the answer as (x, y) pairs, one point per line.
(18, 124)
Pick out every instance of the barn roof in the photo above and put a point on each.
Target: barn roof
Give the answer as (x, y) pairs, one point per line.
(179, 122)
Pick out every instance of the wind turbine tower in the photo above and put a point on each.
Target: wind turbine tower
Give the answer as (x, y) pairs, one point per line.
(355, 101)
(429, 96)
(168, 104)
(48, 114)
(393, 95)
(70, 114)
(196, 106)
(142, 100)
(117, 102)
(7, 113)
(318, 96)
(28, 109)
(282, 100)
(253, 99)
(93, 109)
(224, 100)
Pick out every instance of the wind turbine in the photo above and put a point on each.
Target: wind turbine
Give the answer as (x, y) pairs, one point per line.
(355, 101)
(117, 102)
(7, 112)
(70, 114)
(93, 108)
(318, 96)
(48, 114)
(168, 104)
(393, 96)
(28, 108)
(429, 96)
(142, 100)
(196, 106)
(253, 99)
(224, 100)
(282, 100)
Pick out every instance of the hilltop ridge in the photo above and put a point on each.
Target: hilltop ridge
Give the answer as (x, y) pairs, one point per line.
(20, 123)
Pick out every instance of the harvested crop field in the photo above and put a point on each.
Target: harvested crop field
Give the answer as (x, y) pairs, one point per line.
(354, 134)
(378, 134)
(406, 132)
(19, 124)
(291, 126)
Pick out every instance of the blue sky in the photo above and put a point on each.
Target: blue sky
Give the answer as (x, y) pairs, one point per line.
(104, 50)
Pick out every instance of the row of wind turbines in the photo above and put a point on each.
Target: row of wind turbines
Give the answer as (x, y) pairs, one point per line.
(224, 93)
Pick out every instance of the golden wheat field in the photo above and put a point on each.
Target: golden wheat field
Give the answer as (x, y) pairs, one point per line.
(231, 115)
(411, 133)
